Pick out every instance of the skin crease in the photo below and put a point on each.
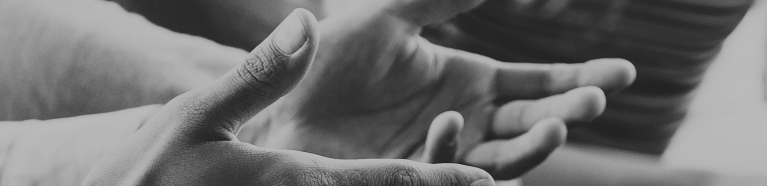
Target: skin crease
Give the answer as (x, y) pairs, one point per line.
(191, 140)
(284, 11)
(442, 67)
(374, 101)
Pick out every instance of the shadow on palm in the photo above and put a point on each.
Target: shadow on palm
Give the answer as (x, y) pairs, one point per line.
(376, 86)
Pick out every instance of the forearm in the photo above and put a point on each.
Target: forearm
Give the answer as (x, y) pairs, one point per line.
(62, 151)
(575, 165)
(63, 58)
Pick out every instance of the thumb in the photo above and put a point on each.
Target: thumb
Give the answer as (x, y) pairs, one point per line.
(442, 138)
(270, 71)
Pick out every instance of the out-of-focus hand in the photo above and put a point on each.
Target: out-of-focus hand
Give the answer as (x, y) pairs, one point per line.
(191, 140)
(377, 86)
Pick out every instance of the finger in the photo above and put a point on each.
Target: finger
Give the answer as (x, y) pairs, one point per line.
(507, 159)
(442, 138)
(530, 81)
(575, 107)
(423, 12)
(327, 171)
(271, 70)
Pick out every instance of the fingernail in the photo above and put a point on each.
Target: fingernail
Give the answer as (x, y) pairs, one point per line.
(483, 182)
(290, 35)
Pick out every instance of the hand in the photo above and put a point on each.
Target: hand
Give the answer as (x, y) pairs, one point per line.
(191, 140)
(377, 85)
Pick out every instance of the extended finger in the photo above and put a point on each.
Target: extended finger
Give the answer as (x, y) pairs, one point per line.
(441, 140)
(508, 159)
(270, 71)
(530, 81)
(574, 107)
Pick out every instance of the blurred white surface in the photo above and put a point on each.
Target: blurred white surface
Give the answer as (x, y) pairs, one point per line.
(726, 128)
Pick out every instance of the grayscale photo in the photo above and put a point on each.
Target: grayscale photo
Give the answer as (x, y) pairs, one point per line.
(383, 92)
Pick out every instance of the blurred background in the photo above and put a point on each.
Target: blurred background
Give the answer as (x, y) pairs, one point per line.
(726, 127)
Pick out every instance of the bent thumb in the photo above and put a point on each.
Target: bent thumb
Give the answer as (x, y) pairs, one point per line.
(269, 72)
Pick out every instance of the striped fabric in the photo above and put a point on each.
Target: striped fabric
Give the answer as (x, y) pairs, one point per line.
(671, 43)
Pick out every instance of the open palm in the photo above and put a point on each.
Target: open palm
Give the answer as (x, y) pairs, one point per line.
(376, 86)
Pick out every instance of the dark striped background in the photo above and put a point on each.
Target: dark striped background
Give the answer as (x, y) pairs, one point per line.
(671, 43)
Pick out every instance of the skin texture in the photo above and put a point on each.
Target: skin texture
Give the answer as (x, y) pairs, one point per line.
(395, 55)
(378, 98)
(191, 140)
(545, 8)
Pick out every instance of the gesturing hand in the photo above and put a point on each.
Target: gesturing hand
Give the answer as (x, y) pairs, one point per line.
(191, 140)
(376, 87)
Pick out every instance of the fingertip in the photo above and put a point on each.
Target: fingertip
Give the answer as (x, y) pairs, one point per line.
(442, 137)
(310, 25)
(550, 132)
(628, 69)
(291, 52)
(588, 103)
(449, 123)
(303, 56)
(610, 74)
(626, 72)
(292, 34)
